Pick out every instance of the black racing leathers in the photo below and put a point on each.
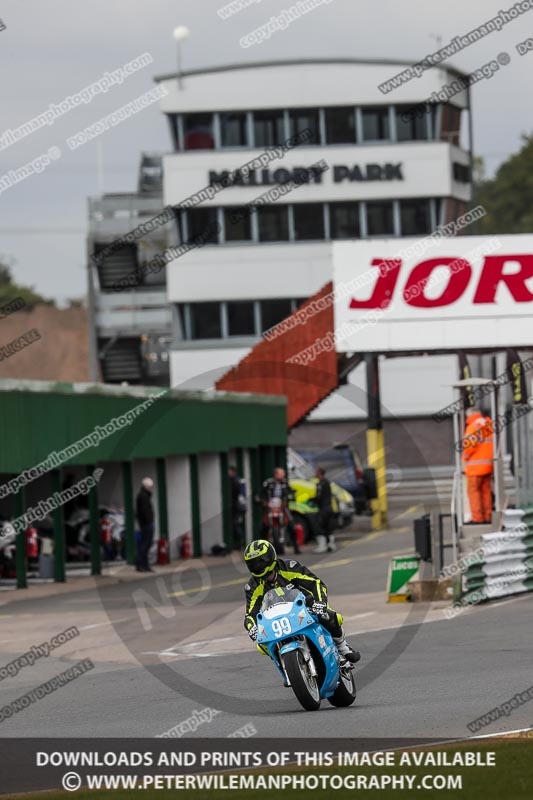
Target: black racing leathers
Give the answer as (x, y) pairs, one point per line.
(272, 488)
(325, 509)
(299, 576)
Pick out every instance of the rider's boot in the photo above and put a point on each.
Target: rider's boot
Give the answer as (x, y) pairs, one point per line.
(331, 544)
(345, 651)
(322, 543)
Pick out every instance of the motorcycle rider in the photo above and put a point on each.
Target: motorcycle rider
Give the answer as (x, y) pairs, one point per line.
(269, 572)
(326, 516)
(278, 486)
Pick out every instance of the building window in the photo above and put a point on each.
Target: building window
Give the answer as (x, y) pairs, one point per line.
(344, 220)
(375, 124)
(273, 223)
(461, 172)
(308, 221)
(198, 132)
(241, 318)
(273, 311)
(269, 128)
(340, 125)
(202, 222)
(408, 129)
(205, 321)
(233, 129)
(379, 219)
(415, 217)
(450, 128)
(237, 224)
(305, 119)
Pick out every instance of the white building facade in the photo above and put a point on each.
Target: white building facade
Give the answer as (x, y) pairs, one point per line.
(367, 168)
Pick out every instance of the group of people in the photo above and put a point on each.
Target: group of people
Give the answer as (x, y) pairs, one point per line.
(477, 455)
(278, 487)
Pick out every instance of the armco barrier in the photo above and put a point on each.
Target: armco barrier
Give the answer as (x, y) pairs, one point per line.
(504, 564)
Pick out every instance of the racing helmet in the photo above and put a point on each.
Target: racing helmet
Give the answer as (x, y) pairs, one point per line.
(260, 558)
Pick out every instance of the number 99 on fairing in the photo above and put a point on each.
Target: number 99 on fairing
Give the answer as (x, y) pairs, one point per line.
(281, 626)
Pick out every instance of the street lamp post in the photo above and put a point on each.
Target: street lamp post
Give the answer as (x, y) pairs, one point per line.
(180, 33)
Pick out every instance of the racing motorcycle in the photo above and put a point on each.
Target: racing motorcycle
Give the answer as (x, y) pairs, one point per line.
(303, 651)
(276, 520)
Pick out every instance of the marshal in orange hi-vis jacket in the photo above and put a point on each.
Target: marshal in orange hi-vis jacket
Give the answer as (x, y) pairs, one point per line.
(478, 453)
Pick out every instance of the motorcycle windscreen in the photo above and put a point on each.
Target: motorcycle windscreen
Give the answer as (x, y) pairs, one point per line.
(279, 596)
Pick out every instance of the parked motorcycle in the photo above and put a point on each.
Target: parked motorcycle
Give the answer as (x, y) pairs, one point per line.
(77, 535)
(304, 651)
(112, 534)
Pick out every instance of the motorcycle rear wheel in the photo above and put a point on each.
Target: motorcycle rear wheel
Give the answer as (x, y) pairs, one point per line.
(346, 692)
(304, 686)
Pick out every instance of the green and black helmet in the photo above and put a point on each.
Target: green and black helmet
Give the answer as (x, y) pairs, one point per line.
(260, 558)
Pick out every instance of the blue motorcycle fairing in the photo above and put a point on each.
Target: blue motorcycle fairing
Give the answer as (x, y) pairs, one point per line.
(284, 617)
(294, 645)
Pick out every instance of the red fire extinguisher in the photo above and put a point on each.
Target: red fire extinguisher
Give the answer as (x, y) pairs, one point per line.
(299, 531)
(186, 549)
(163, 552)
(32, 543)
(105, 531)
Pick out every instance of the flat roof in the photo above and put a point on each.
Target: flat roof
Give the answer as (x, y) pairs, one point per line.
(117, 390)
(299, 62)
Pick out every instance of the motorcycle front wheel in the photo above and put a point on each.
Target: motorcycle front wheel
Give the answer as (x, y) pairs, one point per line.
(304, 685)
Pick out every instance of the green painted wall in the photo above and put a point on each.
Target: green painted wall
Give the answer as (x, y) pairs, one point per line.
(39, 418)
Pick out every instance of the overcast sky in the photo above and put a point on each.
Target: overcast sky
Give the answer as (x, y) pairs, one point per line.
(53, 48)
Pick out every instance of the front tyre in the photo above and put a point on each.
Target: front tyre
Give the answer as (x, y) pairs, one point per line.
(345, 693)
(304, 685)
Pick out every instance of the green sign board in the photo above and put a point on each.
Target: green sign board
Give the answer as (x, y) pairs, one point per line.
(402, 569)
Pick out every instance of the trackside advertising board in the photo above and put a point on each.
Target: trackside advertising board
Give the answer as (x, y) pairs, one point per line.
(402, 569)
(433, 293)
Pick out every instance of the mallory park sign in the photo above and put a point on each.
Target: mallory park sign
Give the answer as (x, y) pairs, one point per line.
(341, 174)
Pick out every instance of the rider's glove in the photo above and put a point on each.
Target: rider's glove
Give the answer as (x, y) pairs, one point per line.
(252, 633)
(319, 609)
